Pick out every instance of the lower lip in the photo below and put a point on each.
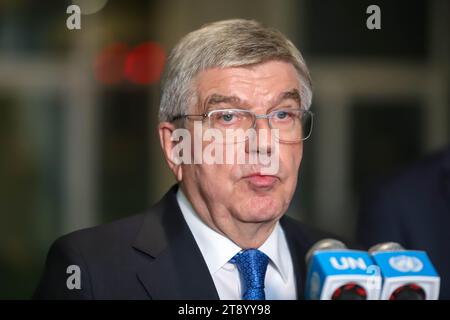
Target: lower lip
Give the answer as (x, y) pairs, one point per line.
(262, 181)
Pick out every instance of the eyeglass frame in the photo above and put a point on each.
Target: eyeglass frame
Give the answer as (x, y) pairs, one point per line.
(267, 116)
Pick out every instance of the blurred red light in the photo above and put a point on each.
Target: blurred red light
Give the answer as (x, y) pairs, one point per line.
(144, 64)
(109, 63)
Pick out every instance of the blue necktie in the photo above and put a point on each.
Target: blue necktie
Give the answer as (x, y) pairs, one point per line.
(252, 266)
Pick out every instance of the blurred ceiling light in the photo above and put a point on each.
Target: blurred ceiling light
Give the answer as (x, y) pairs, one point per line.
(144, 64)
(109, 63)
(90, 6)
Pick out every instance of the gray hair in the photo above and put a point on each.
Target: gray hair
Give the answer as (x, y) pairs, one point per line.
(224, 44)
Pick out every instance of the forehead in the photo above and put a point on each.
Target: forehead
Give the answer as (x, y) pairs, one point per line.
(257, 83)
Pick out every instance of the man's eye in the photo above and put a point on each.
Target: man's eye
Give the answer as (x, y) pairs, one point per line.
(282, 115)
(227, 117)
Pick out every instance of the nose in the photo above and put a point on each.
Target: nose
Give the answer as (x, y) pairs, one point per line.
(262, 141)
(262, 122)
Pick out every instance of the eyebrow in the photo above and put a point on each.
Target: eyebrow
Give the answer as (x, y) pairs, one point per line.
(215, 98)
(218, 98)
(293, 94)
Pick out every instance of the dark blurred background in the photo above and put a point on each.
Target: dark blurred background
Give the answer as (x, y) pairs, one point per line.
(78, 109)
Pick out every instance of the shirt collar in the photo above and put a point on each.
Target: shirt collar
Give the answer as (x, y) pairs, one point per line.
(217, 250)
(274, 247)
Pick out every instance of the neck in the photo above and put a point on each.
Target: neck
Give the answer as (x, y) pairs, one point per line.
(246, 235)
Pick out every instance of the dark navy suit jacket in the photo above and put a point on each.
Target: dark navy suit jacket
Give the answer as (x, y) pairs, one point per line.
(148, 256)
(413, 209)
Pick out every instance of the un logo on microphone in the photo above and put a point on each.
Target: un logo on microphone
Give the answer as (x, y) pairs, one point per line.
(406, 264)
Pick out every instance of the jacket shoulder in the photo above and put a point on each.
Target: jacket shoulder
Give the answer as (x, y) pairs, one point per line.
(89, 255)
(104, 235)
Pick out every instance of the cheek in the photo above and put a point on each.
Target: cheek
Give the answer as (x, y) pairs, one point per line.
(216, 179)
(290, 159)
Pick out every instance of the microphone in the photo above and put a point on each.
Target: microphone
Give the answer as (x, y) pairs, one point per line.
(407, 274)
(338, 273)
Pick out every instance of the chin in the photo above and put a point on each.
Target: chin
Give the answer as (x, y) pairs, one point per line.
(261, 210)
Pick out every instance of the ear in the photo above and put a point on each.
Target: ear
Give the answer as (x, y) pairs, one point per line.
(165, 130)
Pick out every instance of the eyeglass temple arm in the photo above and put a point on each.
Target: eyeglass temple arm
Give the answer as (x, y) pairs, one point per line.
(204, 115)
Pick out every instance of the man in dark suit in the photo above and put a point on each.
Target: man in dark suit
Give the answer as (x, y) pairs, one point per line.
(221, 232)
(148, 256)
(413, 209)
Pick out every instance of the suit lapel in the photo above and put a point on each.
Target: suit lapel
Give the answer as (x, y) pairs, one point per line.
(173, 266)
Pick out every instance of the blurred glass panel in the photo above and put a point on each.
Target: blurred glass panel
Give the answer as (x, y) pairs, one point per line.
(31, 27)
(386, 136)
(124, 155)
(338, 29)
(30, 188)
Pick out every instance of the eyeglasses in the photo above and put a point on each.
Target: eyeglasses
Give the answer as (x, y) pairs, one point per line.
(294, 125)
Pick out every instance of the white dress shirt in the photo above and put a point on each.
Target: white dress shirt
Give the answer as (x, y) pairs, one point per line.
(217, 250)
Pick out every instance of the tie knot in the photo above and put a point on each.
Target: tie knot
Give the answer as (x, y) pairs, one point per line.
(252, 266)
